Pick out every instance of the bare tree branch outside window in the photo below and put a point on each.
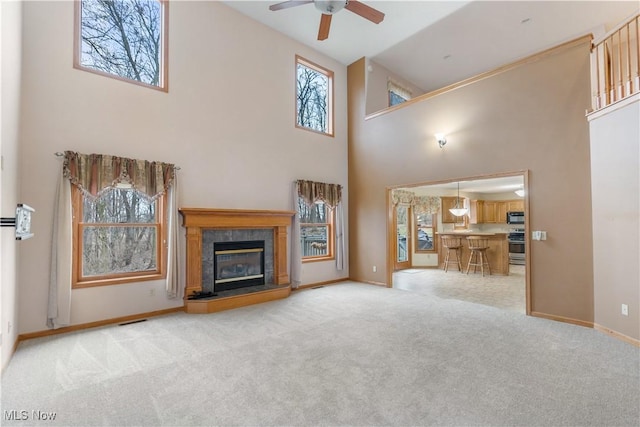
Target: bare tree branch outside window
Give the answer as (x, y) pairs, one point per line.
(312, 99)
(119, 233)
(315, 227)
(123, 37)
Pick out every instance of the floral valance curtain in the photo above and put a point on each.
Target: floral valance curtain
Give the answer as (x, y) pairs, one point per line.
(312, 191)
(422, 205)
(426, 205)
(398, 89)
(94, 173)
(402, 196)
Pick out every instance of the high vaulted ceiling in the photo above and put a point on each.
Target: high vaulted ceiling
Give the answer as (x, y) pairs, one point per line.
(436, 43)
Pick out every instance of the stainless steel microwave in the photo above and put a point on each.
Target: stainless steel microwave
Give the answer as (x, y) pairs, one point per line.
(515, 217)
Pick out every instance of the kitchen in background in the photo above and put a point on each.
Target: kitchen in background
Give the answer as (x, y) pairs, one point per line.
(494, 205)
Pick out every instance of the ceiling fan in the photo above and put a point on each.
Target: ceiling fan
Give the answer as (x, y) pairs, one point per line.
(330, 7)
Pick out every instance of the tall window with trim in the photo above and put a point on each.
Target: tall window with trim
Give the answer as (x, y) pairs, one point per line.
(118, 237)
(124, 39)
(426, 226)
(316, 230)
(314, 97)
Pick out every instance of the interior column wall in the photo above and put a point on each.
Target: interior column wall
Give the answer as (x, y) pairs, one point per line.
(615, 187)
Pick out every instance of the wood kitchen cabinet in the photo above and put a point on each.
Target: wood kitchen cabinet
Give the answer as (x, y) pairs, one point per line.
(492, 211)
(489, 212)
(515, 206)
(449, 203)
(501, 212)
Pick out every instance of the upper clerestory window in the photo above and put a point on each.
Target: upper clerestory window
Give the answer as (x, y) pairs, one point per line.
(123, 39)
(314, 97)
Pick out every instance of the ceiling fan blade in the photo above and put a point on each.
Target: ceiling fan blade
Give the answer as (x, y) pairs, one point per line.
(367, 12)
(325, 24)
(288, 4)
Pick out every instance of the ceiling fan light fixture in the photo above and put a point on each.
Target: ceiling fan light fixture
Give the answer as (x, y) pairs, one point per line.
(329, 7)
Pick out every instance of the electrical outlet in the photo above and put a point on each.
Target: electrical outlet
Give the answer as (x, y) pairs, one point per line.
(625, 310)
(9, 325)
(375, 268)
(152, 292)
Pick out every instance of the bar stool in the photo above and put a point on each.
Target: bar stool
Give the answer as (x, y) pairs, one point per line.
(478, 246)
(454, 244)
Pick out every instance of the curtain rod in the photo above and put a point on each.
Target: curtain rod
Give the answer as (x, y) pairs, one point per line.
(59, 154)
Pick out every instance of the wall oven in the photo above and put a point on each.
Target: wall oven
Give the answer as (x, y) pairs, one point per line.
(516, 246)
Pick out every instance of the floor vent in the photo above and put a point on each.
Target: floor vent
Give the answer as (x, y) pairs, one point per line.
(132, 322)
(318, 287)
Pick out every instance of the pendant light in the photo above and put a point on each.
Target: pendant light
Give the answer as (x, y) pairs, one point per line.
(458, 211)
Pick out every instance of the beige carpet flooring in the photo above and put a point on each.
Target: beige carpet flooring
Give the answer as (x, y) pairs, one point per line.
(503, 292)
(343, 355)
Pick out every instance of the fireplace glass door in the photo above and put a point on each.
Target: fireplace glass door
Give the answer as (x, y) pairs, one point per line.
(238, 264)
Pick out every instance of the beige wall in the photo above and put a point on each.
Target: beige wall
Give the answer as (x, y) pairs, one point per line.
(615, 188)
(10, 54)
(528, 118)
(227, 121)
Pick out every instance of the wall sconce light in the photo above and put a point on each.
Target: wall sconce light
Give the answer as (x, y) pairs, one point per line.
(442, 139)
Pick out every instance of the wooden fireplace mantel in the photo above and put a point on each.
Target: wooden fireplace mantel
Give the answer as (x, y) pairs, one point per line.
(197, 219)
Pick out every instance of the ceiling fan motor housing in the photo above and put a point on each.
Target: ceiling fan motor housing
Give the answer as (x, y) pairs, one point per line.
(329, 7)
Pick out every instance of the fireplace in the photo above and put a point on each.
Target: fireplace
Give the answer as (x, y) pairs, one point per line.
(205, 228)
(238, 264)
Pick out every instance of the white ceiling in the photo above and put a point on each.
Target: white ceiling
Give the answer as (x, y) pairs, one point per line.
(416, 36)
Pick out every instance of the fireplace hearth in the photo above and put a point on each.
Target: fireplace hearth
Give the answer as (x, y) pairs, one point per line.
(207, 227)
(238, 264)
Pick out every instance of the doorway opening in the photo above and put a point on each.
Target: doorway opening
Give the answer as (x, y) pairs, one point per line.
(415, 256)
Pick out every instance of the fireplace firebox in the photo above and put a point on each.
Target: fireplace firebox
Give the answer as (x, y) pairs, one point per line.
(238, 264)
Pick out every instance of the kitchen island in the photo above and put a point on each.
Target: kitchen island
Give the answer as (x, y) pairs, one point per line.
(498, 252)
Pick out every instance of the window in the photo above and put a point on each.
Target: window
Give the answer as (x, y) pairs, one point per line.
(124, 39)
(314, 97)
(395, 99)
(316, 231)
(397, 93)
(426, 225)
(118, 237)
